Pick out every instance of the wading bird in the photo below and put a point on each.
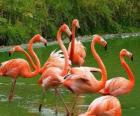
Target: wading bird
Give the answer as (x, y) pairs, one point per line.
(76, 49)
(51, 77)
(15, 68)
(104, 106)
(120, 85)
(85, 82)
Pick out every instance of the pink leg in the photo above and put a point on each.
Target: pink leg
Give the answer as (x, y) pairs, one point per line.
(67, 110)
(42, 100)
(12, 90)
(74, 104)
(56, 109)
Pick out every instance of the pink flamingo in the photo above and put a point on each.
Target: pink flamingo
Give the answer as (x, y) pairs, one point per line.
(56, 59)
(51, 77)
(104, 106)
(19, 67)
(120, 85)
(85, 82)
(76, 49)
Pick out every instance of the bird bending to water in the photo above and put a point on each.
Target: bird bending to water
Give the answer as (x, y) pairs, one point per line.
(15, 68)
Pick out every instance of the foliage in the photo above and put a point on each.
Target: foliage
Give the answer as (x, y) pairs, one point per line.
(21, 19)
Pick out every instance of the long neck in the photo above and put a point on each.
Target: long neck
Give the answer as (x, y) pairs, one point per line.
(72, 42)
(101, 66)
(63, 48)
(33, 54)
(31, 74)
(128, 70)
(29, 58)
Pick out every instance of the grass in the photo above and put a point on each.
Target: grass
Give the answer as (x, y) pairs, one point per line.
(28, 93)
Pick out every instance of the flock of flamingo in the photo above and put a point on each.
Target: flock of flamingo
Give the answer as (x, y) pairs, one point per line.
(58, 70)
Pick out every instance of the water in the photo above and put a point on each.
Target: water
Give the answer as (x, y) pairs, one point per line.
(28, 93)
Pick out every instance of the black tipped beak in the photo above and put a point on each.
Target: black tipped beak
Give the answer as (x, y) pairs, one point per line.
(70, 38)
(79, 30)
(45, 44)
(132, 58)
(66, 76)
(40, 106)
(105, 47)
(9, 54)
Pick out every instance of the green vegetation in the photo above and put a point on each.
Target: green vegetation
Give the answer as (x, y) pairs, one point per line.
(21, 19)
(28, 93)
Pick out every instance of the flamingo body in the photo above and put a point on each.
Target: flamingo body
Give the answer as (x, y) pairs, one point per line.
(104, 106)
(117, 86)
(15, 67)
(79, 53)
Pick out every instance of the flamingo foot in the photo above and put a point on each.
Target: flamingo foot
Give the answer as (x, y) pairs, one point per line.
(10, 98)
(56, 112)
(69, 114)
(40, 106)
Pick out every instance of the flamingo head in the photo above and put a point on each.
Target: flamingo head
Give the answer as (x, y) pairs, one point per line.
(125, 52)
(65, 28)
(100, 40)
(39, 38)
(75, 22)
(17, 48)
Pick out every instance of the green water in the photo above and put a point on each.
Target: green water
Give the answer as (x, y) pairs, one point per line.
(28, 92)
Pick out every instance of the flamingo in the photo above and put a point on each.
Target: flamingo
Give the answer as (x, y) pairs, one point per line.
(56, 59)
(18, 48)
(120, 85)
(51, 76)
(76, 49)
(104, 106)
(15, 68)
(85, 82)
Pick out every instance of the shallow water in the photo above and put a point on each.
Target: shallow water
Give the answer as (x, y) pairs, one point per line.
(28, 93)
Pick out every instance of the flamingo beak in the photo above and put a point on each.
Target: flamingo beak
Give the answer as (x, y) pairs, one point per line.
(66, 76)
(70, 38)
(40, 106)
(45, 44)
(79, 30)
(9, 54)
(132, 58)
(105, 47)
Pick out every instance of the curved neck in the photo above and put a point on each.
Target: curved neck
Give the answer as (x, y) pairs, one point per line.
(128, 70)
(101, 66)
(72, 42)
(33, 54)
(31, 74)
(28, 58)
(63, 48)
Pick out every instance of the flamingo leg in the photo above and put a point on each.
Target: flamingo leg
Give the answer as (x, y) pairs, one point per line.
(67, 110)
(12, 90)
(56, 109)
(42, 100)
(74, 104)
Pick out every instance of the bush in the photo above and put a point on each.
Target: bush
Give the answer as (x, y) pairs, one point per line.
(21, 19)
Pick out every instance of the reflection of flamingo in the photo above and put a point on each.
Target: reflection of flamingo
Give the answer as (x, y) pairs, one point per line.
(120, 85)
(104, 106)
(51, 77)
(85, 82)
(76, 50)
(18, 67)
